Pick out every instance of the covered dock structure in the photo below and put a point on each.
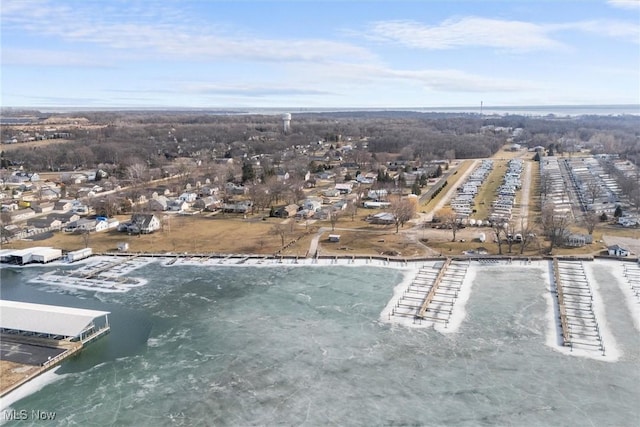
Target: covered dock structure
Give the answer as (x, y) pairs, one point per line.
(39, 254)
(36, 337)
(51, 321)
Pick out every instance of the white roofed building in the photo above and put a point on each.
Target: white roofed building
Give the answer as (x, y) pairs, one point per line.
(50, 321)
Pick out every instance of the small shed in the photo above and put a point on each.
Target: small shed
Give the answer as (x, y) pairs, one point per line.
(617, 250)
(334, 237)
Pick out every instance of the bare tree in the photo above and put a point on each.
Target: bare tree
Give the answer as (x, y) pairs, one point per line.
(84, 233)
(528, 235)
(593, 190)
(546, 185)
(555, 225)
(450, 220)
(498, 231)
(590, 220)
(334, 216)
(511, 234)
(279, 230)
(403, 209)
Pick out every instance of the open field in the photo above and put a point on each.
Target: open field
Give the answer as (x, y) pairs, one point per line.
(232, 234)
(32, 145)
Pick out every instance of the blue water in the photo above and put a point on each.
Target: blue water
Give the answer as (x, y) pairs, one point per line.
(305, 346)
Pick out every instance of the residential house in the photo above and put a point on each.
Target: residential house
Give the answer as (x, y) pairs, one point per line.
(209, 203)
(286, 211)
(20, 176)
(144, 223)
(22, 214)
(9, 207)
(83, 224)
(326, 175)
(103, 224)
(237, 207)
(384, 218)
(312, 205)
(378, 195)
(235, 189)
(63, 205)
(331, 192)
(49, 193)
(207, 191)
(44, 223)
(178, 205)
(344, 187)
(64, 217)
(158, 203)
(188, 197)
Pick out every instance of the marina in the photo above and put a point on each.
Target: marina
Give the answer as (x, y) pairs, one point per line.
(200, 339)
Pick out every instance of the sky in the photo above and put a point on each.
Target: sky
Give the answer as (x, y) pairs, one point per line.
(318, 54)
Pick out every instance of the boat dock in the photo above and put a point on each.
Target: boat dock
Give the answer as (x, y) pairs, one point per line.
(632, 274)
(432, 293)
(578, 321)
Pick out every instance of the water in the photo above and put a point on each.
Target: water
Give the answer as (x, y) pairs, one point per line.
(305, 346)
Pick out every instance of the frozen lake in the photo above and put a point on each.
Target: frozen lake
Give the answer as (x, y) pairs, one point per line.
(306, 345)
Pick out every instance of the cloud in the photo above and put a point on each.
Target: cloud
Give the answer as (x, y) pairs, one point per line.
(263, 90)
(154, 36)
(345, 76)
(494, 33)
(50, 58)
(463, 32)
(607, 28)
(625, 4)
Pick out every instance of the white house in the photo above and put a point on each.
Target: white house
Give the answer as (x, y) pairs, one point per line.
(188, 197)
(617, 250)
(344, 187)
(312, 205)
(144, 223)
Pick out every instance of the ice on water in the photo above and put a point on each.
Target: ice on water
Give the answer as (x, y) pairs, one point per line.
(285, 343)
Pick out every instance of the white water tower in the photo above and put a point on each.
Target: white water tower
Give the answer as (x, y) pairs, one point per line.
(286, 122)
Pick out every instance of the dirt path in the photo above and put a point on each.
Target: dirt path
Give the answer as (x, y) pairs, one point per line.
(526, 189)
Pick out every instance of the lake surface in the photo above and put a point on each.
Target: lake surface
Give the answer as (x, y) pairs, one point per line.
(304, 345)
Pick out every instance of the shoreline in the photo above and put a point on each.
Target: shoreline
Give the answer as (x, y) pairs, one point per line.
(409, 267)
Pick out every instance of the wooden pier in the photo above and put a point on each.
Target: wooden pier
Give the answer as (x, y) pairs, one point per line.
(575, 305)
(432, 293)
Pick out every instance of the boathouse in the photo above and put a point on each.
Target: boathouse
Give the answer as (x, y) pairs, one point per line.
(52, 322)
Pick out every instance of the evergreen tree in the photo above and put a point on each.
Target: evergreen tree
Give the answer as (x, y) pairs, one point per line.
(415, 189)
(618, 212)
(248, 174)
